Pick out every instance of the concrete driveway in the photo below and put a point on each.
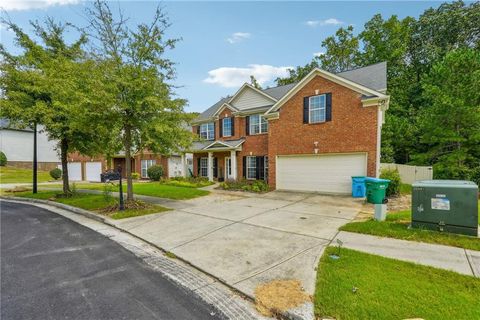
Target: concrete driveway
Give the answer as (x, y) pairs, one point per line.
(249, 240)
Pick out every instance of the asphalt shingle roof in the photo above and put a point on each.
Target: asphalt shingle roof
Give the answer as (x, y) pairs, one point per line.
(373, 77)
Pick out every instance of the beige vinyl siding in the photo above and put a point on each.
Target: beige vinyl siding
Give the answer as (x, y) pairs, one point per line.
(249, 98)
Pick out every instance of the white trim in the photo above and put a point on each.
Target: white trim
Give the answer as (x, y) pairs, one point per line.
(228, 176)
(214, 142)
(319, 108)
(225, 105)
(260, 116)
(246, 85)
(329, 76)
(375, 101)
(246, 168)
(223, 126)
(379, 140)
(200, 130)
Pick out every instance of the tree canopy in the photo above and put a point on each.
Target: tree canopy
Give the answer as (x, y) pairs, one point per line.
(414, 49)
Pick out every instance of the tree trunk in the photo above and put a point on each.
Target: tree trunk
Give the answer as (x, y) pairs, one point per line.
(128, 164)
(64, 159)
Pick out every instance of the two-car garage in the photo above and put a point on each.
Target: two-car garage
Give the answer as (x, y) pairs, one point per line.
(326, 173)
(89, 171)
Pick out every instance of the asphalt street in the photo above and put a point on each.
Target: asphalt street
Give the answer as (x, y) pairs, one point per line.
(53, 268)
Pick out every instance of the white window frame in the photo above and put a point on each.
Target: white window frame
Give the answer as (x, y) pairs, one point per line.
(230, 127)
(207, 130)
(254, 167)
(144, 165)
(204, 166)
(320, 108)
(261, 125)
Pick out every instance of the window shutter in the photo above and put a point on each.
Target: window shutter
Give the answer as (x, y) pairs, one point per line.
(244, 167)
(328, 107)
(247, 125)
(305, 109)
(260, 168)
(214, 130)
(215, 171)
(220, 129)
(233, 126)
(198, 166)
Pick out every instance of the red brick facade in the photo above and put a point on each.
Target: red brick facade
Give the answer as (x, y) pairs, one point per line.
(353, 128)
(136, 162)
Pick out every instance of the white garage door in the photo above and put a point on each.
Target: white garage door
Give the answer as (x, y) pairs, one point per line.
(93, 171)
(75, 171)
(319, 173)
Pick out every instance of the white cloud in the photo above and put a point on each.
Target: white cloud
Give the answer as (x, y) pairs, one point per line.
(231, 77)
(327, 22)
(18, 5)
(238, 36)
(318, 54)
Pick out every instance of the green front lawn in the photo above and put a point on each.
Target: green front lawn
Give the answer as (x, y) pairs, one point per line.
(18, 175)
(364, 286)
(92, 202)
(397, 226)
(154, 189)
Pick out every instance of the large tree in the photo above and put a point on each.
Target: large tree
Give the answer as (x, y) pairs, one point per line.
(146, 113)
(53, 84)
(450, 121)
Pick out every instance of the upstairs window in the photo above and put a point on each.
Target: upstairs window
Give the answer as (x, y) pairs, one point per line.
(207, 131)
(258, 124)
(227, 127)
(317, 109)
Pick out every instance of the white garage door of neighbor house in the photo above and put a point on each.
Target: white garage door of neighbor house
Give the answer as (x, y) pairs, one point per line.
(93, 171)
(320, 173)
(175, 166)
(75, 171)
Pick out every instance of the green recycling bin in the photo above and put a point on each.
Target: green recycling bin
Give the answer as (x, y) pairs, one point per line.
(376, 190)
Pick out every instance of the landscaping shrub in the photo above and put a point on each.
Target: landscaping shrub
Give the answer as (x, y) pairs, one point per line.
(56, 173)
(135, 175)
(190, 182)
(245, 185)
(394, 186)
(155, 173)
(3, 159)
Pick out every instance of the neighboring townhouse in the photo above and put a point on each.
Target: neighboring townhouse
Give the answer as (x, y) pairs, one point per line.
(89, 168)
(17, 144)
(308, 136)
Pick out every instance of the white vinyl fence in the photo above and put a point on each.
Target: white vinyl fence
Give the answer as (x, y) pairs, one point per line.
(410, 174)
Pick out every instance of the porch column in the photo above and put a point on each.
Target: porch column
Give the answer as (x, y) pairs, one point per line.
(184, 166)
(210, 166)
(233, 164)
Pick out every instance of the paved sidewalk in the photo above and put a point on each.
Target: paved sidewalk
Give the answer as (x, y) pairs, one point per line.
(445, 257)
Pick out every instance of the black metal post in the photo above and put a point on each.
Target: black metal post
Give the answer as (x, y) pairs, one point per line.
(122, 206)
(34, 157)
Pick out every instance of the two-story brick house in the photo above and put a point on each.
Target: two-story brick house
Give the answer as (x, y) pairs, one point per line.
(308, 136)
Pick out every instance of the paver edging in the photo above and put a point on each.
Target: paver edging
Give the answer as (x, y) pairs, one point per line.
(299, 313)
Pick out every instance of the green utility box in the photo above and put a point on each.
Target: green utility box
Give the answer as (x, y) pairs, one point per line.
(445, 205)
(376, 190)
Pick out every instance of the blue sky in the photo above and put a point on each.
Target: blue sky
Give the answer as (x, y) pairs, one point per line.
(224, 42)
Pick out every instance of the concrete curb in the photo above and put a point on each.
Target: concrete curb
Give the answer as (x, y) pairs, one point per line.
(303, 312)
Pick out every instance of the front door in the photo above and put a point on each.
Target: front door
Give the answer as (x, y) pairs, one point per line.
(228, 168)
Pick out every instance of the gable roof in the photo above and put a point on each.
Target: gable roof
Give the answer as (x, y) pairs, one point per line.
(372, 78)
(371, 93)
